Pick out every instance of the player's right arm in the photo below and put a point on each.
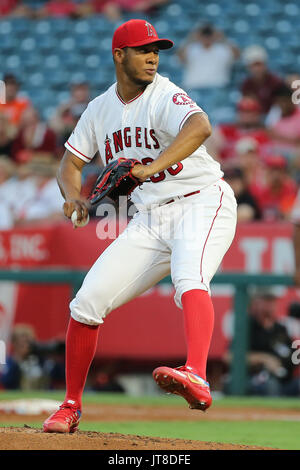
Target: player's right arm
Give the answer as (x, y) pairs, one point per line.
(69, 182)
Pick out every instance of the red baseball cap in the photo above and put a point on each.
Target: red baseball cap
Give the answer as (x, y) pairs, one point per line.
(248, 104)
(276, 161)
(135, 33)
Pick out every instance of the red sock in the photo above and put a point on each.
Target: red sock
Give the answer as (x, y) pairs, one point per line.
(81, 342)
(199, 322)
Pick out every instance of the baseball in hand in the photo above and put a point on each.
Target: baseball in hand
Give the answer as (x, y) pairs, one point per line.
(83, 223)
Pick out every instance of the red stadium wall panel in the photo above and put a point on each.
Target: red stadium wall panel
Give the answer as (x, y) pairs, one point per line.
(149, 327)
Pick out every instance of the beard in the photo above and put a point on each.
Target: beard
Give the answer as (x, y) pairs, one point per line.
(132, 75)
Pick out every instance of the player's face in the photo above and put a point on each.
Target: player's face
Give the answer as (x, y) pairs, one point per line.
(140, 63)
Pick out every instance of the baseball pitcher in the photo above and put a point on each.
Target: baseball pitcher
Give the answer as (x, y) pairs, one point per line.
(149, 134)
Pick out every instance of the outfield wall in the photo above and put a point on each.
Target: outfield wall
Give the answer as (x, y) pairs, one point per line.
(140, 328)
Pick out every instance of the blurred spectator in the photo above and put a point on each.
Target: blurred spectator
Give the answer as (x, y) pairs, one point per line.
(113, 9)
(7, 187)
(143, 6)
(285, 133)
(261, 83)
(23, 368)
(58, 8)
(295, 219)
(7, 135)
(7, 6)
(277, 197)
(67, 114)
(28, 193)
(14, 8)
(248, 209)
(15, 190)
(35, 138)
(225, 137)
(104, 377)
(291, 79)
(251, 163)
(15, 105)
(269, 358)
(208, 58)
(7, 170)
(109, 8)
(30, 364)
(42, 201)
(292, 320)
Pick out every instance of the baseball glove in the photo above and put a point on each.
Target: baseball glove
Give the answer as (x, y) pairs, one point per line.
(115, 180)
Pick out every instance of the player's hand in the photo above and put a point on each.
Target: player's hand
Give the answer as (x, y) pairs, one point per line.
(141, 172)
(78, 205)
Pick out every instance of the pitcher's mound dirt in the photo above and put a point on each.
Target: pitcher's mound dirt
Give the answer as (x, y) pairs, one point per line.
(34, 439)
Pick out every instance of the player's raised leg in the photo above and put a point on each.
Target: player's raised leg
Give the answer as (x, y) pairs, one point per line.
(194, 262)
(112, 281)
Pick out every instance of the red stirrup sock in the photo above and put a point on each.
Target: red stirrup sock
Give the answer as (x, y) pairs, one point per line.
(198, 313)
(81, 342)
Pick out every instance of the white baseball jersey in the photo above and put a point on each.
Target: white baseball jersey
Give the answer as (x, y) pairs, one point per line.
(142, 128)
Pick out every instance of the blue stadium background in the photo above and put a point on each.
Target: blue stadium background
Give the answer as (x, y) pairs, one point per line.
(49, 54)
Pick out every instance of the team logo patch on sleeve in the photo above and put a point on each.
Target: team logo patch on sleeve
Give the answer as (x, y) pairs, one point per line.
(182, 99)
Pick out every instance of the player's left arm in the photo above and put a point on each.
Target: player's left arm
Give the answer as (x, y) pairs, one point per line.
(194, 132)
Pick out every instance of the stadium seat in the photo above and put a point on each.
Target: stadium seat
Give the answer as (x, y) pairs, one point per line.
(42, 27)
(34, 80)
(61, 27)
(241, 26)
(21, 26)
(213, 9)
(72, 61)
(28, 45)
(100, 26)
(52, 62)
(12, 63)
(253, 10)
(82, 27)
(6, 27)
(8, 44)
(46, 43)
(86, 44)
(272, 43)
(58, 78)
(92, 61)
(291, 10)
(31, 62)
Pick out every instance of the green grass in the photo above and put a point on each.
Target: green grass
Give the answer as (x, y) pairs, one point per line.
(275, 434)
(157, 400)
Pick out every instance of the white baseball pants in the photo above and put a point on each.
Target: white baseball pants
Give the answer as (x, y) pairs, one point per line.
(186, 238)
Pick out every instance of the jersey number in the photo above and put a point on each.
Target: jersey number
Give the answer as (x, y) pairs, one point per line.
(161, 175)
